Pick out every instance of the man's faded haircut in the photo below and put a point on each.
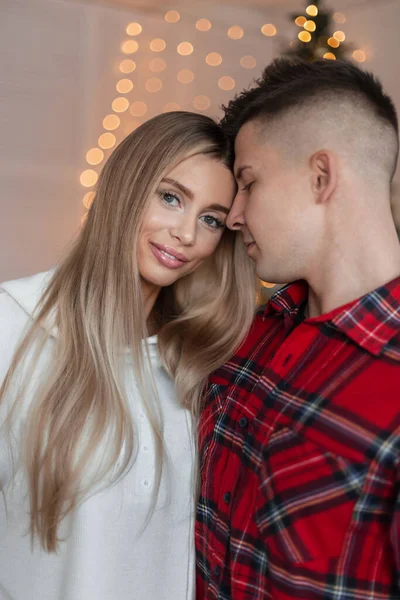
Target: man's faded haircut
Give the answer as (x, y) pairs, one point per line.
(288, 84)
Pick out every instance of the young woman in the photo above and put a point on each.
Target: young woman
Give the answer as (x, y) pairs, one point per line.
(102, 364)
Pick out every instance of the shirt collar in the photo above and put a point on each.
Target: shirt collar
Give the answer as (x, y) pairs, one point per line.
(372, 321)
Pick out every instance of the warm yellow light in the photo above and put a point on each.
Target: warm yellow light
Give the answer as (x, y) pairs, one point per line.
(268, 29)
(203, 25)
(185, 48)
(134, 29)
(304, 36)
(124, 86)
(213, 59)
(172, 16)
(153, 84)
(171, 107)
(111, 122)
(226, 83)
(94, 156)
(310, 26)
(157, 65)
(359, 56)
(106, 140)
(138, 109)
(87, 199)
(127, 66)
(248, 62)
(333, 43)
(235, 32)
(267, 285)
(300, 21)
(129, 47)
(329, 56)
(120, 104)
(339, 17)
(185, 76)
(339, 36)
(201, 102)
(88, 178)
(158, 45)
(312, 10)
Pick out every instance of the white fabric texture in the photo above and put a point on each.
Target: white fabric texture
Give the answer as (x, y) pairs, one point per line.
(106, 553)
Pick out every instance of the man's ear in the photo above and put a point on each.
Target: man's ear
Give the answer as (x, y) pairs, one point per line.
(324, 175)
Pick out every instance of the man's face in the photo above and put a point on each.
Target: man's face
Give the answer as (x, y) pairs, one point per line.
(272, 207)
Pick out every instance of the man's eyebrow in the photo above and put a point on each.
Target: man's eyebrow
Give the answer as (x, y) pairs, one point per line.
(240, 170)
(219, 207)
(182, 188)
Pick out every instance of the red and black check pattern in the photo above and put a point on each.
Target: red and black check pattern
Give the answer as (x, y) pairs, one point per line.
(300, 450)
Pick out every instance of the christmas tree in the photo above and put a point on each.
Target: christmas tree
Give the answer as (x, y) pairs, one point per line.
(320, 35)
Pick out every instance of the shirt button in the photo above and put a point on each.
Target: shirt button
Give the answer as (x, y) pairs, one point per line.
(145, 482)
(217, 570)
(243, 422)
(227, 497)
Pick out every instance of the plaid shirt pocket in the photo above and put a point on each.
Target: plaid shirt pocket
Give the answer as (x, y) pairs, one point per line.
(307, 498)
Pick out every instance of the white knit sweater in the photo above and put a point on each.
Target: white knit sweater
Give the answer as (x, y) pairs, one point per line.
(106, 554)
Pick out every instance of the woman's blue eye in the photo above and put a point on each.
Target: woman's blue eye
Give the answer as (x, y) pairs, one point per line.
(169, 198)
(213, 222)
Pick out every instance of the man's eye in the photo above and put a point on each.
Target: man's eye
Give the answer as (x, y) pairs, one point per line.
(248, 187)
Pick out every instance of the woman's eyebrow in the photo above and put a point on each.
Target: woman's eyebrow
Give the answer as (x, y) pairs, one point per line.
(219, 207)
(179, 186)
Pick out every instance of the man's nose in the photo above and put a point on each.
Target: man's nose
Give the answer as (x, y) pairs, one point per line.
(235, 220)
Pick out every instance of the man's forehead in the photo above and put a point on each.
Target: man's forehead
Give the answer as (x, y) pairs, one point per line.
(252, 147)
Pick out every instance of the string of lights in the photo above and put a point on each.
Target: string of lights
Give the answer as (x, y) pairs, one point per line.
(138, 108)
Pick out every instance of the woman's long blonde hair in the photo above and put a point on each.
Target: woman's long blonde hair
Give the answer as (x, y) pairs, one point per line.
(95, 300)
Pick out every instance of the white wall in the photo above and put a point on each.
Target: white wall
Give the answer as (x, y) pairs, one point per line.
(59, 68)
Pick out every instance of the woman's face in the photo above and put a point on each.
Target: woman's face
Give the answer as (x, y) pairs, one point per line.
(184, 221)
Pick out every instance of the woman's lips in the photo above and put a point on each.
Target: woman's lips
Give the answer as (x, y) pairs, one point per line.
(167, 256)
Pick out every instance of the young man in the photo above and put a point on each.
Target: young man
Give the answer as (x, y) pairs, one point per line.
(300, 434)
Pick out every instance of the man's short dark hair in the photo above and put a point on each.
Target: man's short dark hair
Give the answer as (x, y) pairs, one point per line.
(287, 83)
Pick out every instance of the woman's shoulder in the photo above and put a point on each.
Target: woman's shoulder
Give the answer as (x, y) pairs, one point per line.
(18, 300)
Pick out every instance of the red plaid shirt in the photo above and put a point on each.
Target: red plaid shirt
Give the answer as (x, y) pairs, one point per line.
(300, 450)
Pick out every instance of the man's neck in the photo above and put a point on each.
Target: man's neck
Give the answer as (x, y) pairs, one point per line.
(352, 268)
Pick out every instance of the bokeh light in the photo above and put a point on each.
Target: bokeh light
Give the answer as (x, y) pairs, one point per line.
(213, 59)
(157, 65)
(201, 102)
(185, 76)
(203, 25)
(111, 122)
(158, 45)
(185, 48)
(94, 156)
(172, 16)
(106, 140)
(138, 109)
(268, 29)
(235, 32)
(127, 66)
(134, 29)
(226, 83)
(129, 46)
(120, 104)
(248, 62)
(88, 178)
(124, 86)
